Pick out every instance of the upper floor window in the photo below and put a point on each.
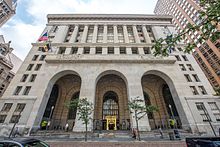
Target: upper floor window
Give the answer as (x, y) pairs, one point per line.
(194, 91)
(42, 57)
(24, 78)
(188, 78)
(146, 50)
(27, 90)
(6, 107)
(182, 67)
(196, 78)
(110, 50)
(202, 90)
(62, 50)
(185, 58)
(38, 66)
(17, 90)
(35, 57)
(20, 107)
(122, 50)
(74, 50)
(86, 50)
(32, 78)
(98, 50)
(178, 58)
(190, 67)
(30, 66)
(134, 50)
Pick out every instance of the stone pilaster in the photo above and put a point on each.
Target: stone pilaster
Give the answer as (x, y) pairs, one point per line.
(146, 35)
(115, 34)
(74, 34)
(68, 50)
(141, 51)
(136, 37)
(128, 50)
(105, 31)
(105, 50)
(125, 31)
(95, 33)
(60, 34)
(117, 50)
(85, 33)
(80, 50)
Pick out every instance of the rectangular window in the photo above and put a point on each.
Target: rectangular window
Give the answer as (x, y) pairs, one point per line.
(32, 78)
(196, 78)
(62, 50)
(200, 106)
(74, 50)
(146, 50)
(86, 50)
(98, 50)
(38, 66)
(2, 118)
(190, 67)
(8, 78)
(204, 117)
(185, 58)
(178, 58)
(35, 57)
(134, 50)
(15, 118)
(213, 105)
(182, 67)
(202, 90)
(194, 91)
(6, 107)
(27, 90)
(188, 78)
(217, 116)
(20, 107)
(42, 57)
(17, 90)
(122, 50)
(30, 66)
(110, 50)
(24, 78)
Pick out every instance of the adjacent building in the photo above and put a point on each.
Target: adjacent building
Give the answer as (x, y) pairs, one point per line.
(9, 64)
(207, 54)
(7, 10)
(108, 59)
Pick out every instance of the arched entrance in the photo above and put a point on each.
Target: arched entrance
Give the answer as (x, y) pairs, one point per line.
(111, 104)
(66, 88)
(156, 92)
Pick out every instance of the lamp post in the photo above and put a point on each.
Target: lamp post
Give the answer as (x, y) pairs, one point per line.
(16, 121)
(49, 121)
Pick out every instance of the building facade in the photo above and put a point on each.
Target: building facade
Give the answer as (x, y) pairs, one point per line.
(107, 58)
(9, 64)
(7, 10)
(207, 54)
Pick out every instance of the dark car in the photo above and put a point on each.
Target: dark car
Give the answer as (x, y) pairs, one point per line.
(203, 142)
(23, 143)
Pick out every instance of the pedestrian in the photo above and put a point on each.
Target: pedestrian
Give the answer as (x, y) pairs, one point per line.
(134, 133)
(66, 127)
(16, 132)
(161, 133)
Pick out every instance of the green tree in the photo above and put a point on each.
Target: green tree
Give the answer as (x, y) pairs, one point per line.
(208, 27)
(84, 111)
(140, 109)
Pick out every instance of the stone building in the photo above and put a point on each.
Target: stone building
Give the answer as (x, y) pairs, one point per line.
(108, 59)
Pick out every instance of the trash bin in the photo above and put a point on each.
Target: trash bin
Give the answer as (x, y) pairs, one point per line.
(171, 135)
(177, 134)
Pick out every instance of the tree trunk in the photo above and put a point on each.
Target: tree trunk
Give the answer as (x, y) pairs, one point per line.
(136, 119)
(86, 133)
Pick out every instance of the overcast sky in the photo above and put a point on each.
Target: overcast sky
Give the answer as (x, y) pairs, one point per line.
(25, 27)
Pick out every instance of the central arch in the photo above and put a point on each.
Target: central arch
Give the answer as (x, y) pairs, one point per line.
(111, 100)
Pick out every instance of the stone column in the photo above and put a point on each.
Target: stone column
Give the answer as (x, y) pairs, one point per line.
(136, 37)
(74, 34)
(125, 31)
(92, 50)
(105, 31)
(117, 50)
(115, 34)
(80, 50)
(141, 50)
(95, 33)
(146, 35)
(135, 90)
(128, 50)
(85, 33)
(68, 50)
(105, 50)
(61, 34)
(87, 90)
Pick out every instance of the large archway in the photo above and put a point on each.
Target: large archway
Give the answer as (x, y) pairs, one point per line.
(157, 92)
(65, 88)
(111, 101)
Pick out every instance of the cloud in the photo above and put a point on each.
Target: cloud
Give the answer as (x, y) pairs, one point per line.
(22, 32)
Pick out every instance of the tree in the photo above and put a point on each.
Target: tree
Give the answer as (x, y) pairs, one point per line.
(84, 111)
(208, 26)
(140, 109)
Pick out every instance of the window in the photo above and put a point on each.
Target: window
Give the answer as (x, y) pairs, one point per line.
(27, 90)
(8, 78)
(110, 50)
(146, 50)
(213, 105)
(17, 90)
(188, 78)
(194, 91)
(38, 66)
(217, 116)
(185, 58)
(35, 57)
(32, 78)
(74, 50)
(178, 58)
(30, 66)
(15, 118)
(190, 67)
(1, 71)
(196, 78)
(182, 67)
(200, 106)
(204, 117)
(24, 78)
(62, 50)
(2, 118)
(20, 107)
(122, 50)
(6, 107)
(202, 89)
(98, 50)
(134, 50)
(86, 50)
(42, 57)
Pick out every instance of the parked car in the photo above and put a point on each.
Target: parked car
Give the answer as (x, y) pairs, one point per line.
(203, 142)
(16, 142)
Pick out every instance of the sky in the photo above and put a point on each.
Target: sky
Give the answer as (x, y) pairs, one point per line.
(30, 19)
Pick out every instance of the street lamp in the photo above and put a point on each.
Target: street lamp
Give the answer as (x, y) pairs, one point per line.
(49, 121)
